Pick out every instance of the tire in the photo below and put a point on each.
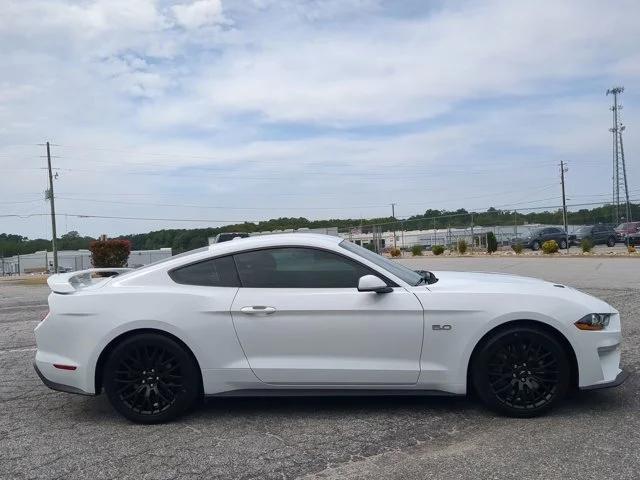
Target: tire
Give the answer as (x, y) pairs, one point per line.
(150, 378)
(535, 245)
(542, 372)
(611, 242)
(563, 244)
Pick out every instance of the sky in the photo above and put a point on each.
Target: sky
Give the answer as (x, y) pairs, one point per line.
(222, 111)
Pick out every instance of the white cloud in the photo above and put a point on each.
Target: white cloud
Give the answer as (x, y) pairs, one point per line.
(274, 90)
(198, 13)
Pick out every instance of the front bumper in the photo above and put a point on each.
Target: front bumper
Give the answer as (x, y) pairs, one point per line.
(59, 386)
(619, 380)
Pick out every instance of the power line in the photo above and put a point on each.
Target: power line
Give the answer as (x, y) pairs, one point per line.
(287, 176)
(221, 207)
(469, 212)
(82, 215)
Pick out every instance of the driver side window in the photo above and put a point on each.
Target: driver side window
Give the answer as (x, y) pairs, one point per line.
(293, 267)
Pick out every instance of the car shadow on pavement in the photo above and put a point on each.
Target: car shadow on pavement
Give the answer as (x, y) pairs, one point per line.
(211, 408)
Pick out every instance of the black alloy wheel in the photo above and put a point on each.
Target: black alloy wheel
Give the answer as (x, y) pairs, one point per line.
(563, 244)
(535, 245)
(521, 371)
(611, 242)
(150, 378)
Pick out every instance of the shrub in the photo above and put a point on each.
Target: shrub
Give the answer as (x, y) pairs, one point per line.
(586, 245)
(395, 252)
(492, 243)
(517, 247)
(110, 253)
(462, 247)
(416, 250)
(631, 249)
(437, 249)
(550, 246)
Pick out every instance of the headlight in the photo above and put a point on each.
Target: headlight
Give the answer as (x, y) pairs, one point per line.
(593, 321)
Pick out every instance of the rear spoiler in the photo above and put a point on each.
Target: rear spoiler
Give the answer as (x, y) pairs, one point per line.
(70, 282)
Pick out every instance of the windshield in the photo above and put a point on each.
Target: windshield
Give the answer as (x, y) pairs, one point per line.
(400, 271)
(624, 226)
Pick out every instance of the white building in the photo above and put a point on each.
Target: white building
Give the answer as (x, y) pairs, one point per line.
(72, 260)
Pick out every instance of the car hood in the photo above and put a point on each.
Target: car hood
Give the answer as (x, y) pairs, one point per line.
(481, 282)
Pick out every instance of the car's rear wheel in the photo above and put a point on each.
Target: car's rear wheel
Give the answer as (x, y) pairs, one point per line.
(611, 241)
(150, 378)
(521, 371)
(535, 245)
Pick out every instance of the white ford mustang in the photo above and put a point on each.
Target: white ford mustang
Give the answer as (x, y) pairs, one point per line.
(303, 314)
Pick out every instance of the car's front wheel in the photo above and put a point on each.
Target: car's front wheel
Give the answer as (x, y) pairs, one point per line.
(611, 241)
(150, 378)
(563, 244)
(521, 371)
(535, 245)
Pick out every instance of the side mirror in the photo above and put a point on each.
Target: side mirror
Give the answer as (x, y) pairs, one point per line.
(371, 283)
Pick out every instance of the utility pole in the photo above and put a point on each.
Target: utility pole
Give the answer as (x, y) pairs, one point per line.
(473, 240)
(50, 197)
(624, 174)
(563, 169)
(619, 177)
(393, 214)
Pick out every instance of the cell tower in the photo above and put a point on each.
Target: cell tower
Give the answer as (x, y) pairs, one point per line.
(619, 178)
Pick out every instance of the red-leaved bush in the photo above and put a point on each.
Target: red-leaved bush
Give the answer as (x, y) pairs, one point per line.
(110, 253)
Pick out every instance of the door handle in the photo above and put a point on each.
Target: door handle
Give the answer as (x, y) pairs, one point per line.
(258, 310)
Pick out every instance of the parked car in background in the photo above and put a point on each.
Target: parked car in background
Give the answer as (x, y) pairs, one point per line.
(225, 237)
(597, 234)
(633, 239)
(537, 237)
(61, 269)
(625, 229)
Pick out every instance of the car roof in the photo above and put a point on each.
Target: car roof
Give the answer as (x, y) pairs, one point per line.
(275, 240)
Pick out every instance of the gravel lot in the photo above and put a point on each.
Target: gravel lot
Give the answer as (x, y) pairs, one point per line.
(44, 434)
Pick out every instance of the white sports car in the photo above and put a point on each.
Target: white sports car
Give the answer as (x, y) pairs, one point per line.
(303, 314)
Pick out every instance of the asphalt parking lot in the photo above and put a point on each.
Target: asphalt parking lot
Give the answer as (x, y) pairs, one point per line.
(593, 435)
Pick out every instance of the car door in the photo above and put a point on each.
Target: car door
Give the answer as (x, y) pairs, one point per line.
(598, 234)
(558, 235)
(301, 321)
(546, 234)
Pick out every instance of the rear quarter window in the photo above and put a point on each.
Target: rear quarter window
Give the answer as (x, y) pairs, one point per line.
(215, 272)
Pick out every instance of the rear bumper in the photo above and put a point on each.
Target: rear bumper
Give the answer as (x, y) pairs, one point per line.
(59, 386)
(619, 380)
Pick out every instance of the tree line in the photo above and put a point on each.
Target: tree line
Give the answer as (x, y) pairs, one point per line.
(181, 240)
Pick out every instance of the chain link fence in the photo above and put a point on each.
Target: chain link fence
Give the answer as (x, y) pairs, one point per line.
(509, 227)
